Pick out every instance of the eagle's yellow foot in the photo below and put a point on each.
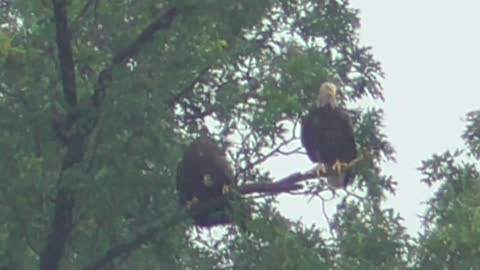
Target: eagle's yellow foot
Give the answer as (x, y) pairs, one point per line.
(191, 203)
(321, 170)
(340, 167)
(226, 189)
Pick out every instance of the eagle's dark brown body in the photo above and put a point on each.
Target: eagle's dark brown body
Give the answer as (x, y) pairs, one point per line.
(202, 173)
(327, 135)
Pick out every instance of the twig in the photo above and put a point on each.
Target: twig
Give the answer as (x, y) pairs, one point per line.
(83, 11)
(291, 152)
(189, 88)
(263, 158)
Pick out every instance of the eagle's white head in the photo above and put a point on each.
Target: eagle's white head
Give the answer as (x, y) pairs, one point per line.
(327, 95)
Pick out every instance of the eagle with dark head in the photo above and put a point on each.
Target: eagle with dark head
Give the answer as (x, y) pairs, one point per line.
(203, 174)
(327, 135)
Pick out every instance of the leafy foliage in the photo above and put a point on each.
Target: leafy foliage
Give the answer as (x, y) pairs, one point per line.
(451, 234)
(368, 237)
(472, 133)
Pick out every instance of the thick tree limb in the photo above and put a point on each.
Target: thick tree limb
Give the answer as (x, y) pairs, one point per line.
(65, 56)
(64, 203)
(61, 227)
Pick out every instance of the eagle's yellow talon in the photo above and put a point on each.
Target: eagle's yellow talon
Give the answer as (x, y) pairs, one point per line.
(321, 170)
(340, 167)
(225, 189)
(191, 203)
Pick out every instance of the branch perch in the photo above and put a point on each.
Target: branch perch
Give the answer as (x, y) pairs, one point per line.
(286, 184)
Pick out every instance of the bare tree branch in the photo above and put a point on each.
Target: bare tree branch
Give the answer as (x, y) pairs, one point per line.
(294, 151)
(286, 184)
(83, 11)
(162, 23)
(251, 164)
(189, 88)
(105, 76)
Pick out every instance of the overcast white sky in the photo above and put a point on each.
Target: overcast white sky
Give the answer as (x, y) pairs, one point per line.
(429, 50)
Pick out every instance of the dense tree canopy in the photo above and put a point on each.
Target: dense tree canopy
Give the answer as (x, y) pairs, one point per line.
(99, 98)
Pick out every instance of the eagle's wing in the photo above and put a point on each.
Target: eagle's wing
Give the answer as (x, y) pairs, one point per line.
(309, 136)
(347, 149)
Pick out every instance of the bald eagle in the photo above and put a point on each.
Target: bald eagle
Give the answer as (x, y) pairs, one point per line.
(204, 173)
(327, 135)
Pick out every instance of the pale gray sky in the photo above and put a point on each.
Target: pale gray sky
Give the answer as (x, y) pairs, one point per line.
(429, 50)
